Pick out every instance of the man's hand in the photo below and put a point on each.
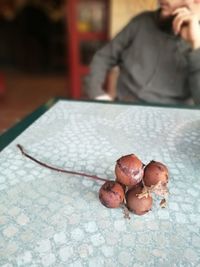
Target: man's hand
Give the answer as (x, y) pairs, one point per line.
(186, 24)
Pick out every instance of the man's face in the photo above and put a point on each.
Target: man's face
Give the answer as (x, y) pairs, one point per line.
(168, 6)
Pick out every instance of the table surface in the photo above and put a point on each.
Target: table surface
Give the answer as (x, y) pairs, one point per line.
(53, 219)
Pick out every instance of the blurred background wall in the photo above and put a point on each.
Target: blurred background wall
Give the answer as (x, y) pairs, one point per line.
(32, 34)
(47, 45)
(33, 56)
(123, 10)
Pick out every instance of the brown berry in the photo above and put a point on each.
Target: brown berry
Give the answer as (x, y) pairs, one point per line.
(154, 173)
(129, 170)
(136, 204)
(111, 194)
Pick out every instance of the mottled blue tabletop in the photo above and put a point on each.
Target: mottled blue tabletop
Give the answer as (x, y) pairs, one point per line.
(53, 219)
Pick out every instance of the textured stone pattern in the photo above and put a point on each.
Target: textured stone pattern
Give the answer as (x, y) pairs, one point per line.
(53, 219)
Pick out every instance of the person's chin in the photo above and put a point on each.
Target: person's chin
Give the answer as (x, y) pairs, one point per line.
(165, 21)
(165, 14)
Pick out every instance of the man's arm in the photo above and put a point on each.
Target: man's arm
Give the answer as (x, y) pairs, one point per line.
(194, 74)
(108, 57)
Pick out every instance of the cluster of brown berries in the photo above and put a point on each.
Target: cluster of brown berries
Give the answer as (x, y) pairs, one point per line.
(134, 184)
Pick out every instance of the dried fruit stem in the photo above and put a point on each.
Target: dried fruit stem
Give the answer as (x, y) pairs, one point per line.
(163, 203)
(58, 169)
(158, 189)
(126, 212)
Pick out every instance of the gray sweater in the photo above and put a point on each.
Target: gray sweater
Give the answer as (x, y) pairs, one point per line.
(155, 66)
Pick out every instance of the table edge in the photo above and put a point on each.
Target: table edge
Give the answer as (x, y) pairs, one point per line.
(7, 137)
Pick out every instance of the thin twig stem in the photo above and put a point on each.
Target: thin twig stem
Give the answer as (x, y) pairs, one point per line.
(58, 169)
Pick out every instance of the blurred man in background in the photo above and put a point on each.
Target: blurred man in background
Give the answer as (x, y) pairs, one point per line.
(158, 54)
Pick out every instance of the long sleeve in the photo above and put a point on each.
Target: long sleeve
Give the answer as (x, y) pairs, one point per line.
(108, 57)
(194, 74)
